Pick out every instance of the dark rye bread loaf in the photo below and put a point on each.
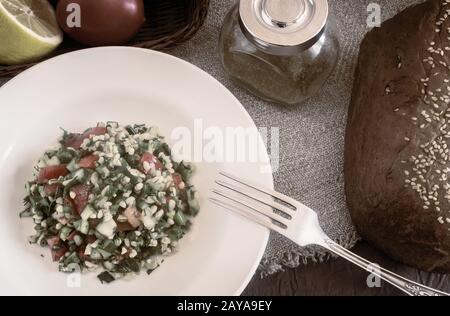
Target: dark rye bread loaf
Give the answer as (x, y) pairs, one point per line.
(397, 154)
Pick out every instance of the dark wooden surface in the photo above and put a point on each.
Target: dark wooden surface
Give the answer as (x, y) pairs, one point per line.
(340, 278)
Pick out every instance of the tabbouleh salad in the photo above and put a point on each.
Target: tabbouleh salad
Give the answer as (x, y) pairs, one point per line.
(111, 198)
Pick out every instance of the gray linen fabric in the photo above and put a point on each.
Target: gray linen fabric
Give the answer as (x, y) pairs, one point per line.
(312, 134)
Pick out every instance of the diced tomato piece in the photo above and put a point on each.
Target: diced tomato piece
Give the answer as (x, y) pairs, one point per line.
(68, 202)
(51, 172)
(58, 254)
(91, 239)
(81, 197)
(75, 140)
(177, 179)
(94, 222)
(152, 160)
(124, 227)
(51, 189)
(88, 162)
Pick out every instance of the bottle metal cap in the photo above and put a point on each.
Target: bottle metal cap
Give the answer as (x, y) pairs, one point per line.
(283, 27)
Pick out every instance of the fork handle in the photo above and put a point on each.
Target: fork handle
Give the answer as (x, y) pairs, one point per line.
(409, 287)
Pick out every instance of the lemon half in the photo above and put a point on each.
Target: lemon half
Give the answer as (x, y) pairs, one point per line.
(28, 30)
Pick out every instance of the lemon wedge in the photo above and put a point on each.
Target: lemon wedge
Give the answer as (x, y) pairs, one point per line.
(28, 31)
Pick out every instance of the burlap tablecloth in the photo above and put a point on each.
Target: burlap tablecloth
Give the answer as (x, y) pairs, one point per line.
(312, 134)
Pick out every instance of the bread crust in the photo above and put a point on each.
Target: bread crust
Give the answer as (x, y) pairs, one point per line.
(391, 195)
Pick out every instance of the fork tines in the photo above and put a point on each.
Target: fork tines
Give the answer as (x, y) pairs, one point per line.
(266, 207)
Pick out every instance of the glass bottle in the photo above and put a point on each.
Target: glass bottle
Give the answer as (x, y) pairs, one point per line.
(280, 50)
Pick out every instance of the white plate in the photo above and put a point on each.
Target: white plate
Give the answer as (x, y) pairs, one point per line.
(76, 90)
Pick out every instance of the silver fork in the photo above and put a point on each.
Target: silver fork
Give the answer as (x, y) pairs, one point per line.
(299, 223)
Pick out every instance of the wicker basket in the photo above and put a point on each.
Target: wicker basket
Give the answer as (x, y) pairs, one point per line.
(168, 23)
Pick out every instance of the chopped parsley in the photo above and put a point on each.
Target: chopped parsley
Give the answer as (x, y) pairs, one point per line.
(111, 198)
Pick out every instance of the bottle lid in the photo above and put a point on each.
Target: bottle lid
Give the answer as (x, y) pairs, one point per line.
(283, 27)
